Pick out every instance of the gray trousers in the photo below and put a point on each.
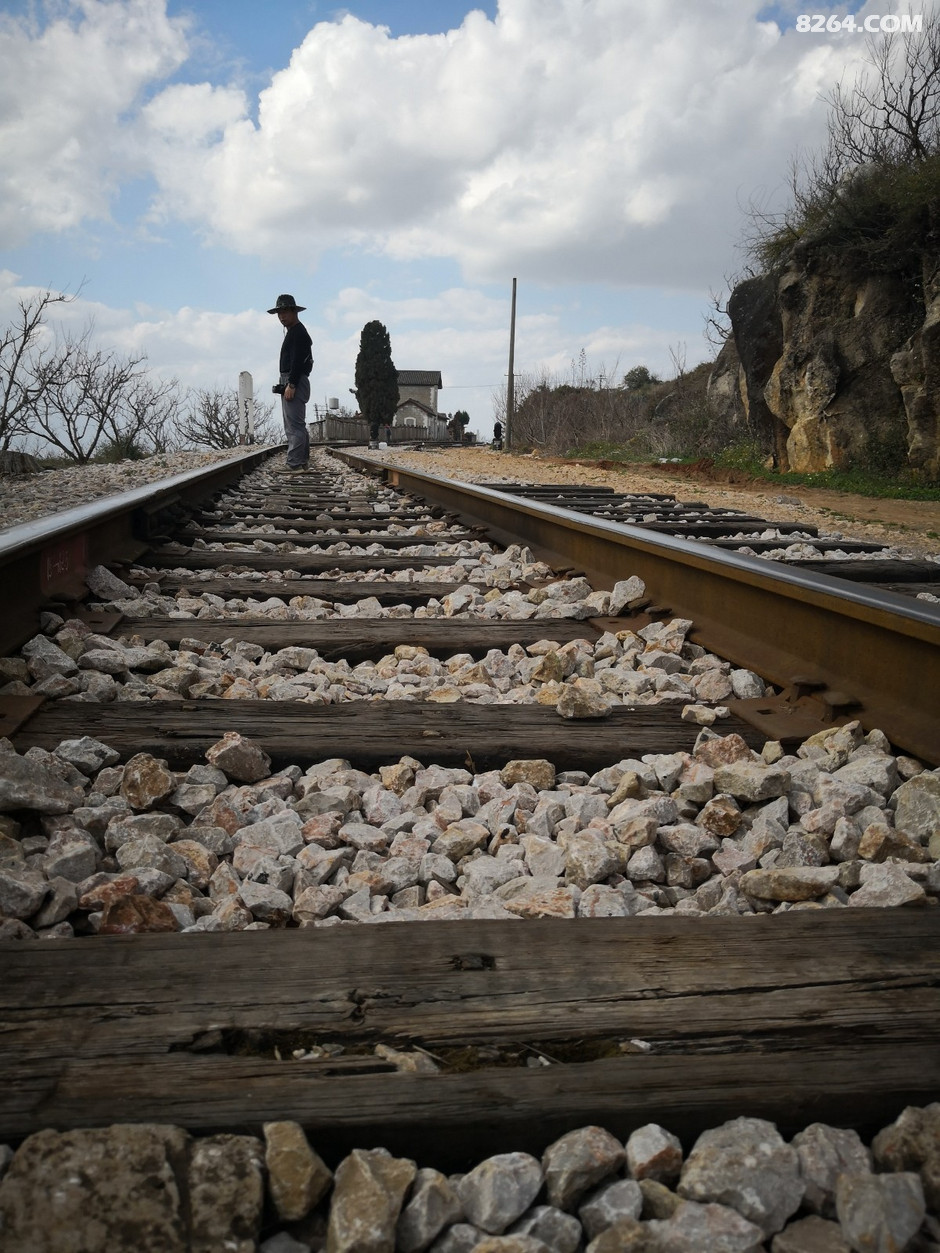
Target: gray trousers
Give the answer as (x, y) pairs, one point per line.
(295, 423)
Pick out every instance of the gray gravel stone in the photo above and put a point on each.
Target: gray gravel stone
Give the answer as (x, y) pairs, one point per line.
(752, 781)
(87, 754)
(886, 886)
(297, 1176)
(810, 1235)
(73, 855)
(107, 586)
(589, 858)
(916, 805)
(433, 1206)
(558, 1231)
(912, 1142)
(694, 1227)
(369, 1189)
(646, 865)
(499, 1190)
(745, 1164)
(826, 1153)
(22, 891)
(62, 900)
(265, 903)
(578, 1161)
(654, 1153)
(124, 827)
(45, 658)
(239, 758)
(461, 1238)
(110, 661)
(283, 1243)
(610, 1204)
(226, 1193)
(26, 785)
(114, 1187)
(880, 1213)
(279, 835)
(152, 853)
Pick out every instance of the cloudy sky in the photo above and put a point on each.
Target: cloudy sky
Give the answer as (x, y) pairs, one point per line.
(184, 161)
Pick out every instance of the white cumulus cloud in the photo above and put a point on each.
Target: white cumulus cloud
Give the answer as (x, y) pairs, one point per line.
(566, 140)
(65, 91)
(597, 140)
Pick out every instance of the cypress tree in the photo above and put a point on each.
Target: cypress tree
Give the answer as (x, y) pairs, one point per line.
(376, 378)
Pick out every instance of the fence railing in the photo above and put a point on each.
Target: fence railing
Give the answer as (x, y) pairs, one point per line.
(325, 430)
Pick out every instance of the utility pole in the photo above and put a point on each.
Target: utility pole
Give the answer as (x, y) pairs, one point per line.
(510, 386)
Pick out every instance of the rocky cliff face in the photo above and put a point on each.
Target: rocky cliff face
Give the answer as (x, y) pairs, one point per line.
(836, 366)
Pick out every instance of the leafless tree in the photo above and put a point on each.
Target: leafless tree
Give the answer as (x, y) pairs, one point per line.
(147, 416)
(717, 323)
(211, 421)
(79, 405)
(28, 365)
(103, 403)
(863, 185)
(891, 113)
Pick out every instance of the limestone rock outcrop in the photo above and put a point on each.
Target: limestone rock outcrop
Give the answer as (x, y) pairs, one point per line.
(838, 366)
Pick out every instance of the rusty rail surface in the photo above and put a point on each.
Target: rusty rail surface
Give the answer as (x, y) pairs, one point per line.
(838, 650)
(49, 558)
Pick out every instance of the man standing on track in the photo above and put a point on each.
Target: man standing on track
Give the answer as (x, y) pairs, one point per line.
(295, 365)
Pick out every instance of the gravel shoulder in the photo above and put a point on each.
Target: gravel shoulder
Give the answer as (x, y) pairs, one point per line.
(28, 497)
(904, 524)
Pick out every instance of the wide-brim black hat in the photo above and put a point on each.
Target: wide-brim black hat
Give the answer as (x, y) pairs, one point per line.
(286, 302)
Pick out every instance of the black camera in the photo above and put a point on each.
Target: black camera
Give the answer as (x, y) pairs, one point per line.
(278, 389)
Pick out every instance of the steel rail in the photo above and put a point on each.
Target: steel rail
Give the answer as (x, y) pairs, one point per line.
(872, 654)
(50, 558)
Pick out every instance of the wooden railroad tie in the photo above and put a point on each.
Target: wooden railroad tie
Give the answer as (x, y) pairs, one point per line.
(786, 1017)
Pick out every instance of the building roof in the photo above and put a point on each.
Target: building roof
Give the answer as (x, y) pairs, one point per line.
(417, 404)
(419, 378)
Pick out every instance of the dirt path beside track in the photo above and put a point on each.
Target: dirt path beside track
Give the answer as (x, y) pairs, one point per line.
(911, 526)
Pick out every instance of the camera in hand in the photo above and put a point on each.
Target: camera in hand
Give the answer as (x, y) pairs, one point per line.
(278, 389)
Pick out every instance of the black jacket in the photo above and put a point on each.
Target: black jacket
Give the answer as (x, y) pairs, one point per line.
(296, 353)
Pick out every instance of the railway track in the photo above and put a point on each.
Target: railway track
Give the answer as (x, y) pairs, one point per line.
(531, 759)
(800, 545)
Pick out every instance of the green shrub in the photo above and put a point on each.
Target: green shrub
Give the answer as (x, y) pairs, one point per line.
(121, 448)
(746, 454)
(878, 217)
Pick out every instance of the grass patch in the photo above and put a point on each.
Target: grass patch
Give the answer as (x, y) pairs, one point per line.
(632, 452)
(897, 484)
(858, 482)
(748, 458)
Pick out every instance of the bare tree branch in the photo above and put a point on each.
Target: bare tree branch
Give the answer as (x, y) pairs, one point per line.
(211, 421)
(27, 366)
(82, 407)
